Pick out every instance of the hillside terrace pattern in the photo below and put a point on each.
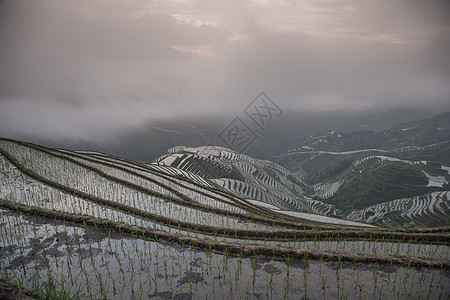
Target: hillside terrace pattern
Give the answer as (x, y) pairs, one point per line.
(111, 196)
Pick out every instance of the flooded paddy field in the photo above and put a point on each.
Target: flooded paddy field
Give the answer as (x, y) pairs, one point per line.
(53, 257)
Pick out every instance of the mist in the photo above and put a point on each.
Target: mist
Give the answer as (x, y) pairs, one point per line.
(93, 71)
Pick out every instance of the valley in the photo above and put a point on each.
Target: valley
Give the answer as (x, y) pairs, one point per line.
(209, 222)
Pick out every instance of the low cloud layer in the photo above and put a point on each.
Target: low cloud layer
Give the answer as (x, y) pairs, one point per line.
(85, 70)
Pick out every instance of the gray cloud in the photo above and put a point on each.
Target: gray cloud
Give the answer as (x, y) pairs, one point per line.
(89, 69)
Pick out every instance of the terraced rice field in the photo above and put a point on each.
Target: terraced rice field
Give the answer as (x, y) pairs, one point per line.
(265, 181)
(88, 225)
(426, 210)
(328, 189)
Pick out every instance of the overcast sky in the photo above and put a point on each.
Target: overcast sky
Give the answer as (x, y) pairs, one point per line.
(86, 69)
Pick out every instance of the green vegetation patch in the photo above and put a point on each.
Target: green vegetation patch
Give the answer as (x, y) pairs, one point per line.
(436, 153)
(331, 170)
(385, 182)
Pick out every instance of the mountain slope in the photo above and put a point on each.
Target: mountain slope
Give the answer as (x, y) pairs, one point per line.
(261, 181)
(362, 169)
(426, 210)
(387, 181)
(414, 133)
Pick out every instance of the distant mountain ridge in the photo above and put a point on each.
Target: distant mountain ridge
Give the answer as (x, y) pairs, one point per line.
(318, 176)
(151, 140)
(415, 133)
